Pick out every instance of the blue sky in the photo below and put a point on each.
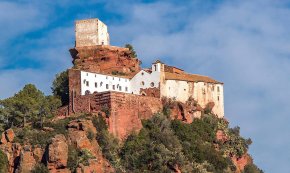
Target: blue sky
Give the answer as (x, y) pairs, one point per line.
(245, 44)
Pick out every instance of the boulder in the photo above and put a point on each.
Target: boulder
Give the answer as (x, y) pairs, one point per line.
(58, 153)
(83, 125)
(9, 135)
(27, 162)
(3, 138)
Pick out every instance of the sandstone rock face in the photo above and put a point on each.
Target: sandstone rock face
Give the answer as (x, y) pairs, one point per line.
(3, 138)
(241, 162)
(221, 136)
(105, 59)
(78, 132)
(27, 162)
(9, 135)
(13, 151)
(58, 153)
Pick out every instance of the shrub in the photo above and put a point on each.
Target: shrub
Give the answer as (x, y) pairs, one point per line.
(91, 135)
(40, 168)
(106, 110)
(77, 156)
(3, 162)
(99, 123)
(251, 168)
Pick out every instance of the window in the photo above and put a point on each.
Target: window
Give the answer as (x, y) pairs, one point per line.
(84, 81)
(106, 77)
(142, 73)
(120, 88)
(87, 83)
(126, 88)
(152, 84)
(101, 84)
(218, 98)
(119, 79)
(95, 75)
(113, 78)
(142, 83)
(184, 89)
(87, 74)
(113, 87)
(107, 86)
(155, 67)
(218, 89)
(212, 88)
(96, 84)
(87, 92)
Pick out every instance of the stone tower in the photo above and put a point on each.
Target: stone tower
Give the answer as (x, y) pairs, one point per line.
(91, 32)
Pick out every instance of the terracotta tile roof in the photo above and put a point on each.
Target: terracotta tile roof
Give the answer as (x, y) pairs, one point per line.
(190, 78)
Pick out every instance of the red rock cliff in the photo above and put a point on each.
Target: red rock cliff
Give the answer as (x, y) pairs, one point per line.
(105, 59)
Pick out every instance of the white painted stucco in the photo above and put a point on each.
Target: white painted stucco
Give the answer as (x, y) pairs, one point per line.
(144, 80)
(114, 83)
(179, 90)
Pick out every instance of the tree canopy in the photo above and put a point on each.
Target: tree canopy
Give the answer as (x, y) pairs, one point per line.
(131, 48)
(60, 87)
(29, 105)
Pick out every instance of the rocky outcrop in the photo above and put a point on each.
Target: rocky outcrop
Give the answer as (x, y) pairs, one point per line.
(57, 153)
(78, 132)
(241, 162)
(7, 136)
(27, 161)
(105, 59)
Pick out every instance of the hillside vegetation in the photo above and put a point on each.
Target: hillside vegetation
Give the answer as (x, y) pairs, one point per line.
(162, 145)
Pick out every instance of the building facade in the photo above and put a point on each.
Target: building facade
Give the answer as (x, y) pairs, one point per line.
(160, 81)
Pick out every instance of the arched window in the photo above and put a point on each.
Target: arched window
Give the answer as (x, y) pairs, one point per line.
(152, 84)
(101, 84)
(87, 92)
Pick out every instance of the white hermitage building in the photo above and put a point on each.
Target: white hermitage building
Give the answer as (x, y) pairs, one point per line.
(166, 81)
(170, 82)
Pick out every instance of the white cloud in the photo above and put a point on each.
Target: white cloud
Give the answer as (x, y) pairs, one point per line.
(19, 18)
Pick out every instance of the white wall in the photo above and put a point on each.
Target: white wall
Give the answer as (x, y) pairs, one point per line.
(103, 34)
(176, 89)
(208, 92)
(93, 78)
(147, 78)
(202, 92)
